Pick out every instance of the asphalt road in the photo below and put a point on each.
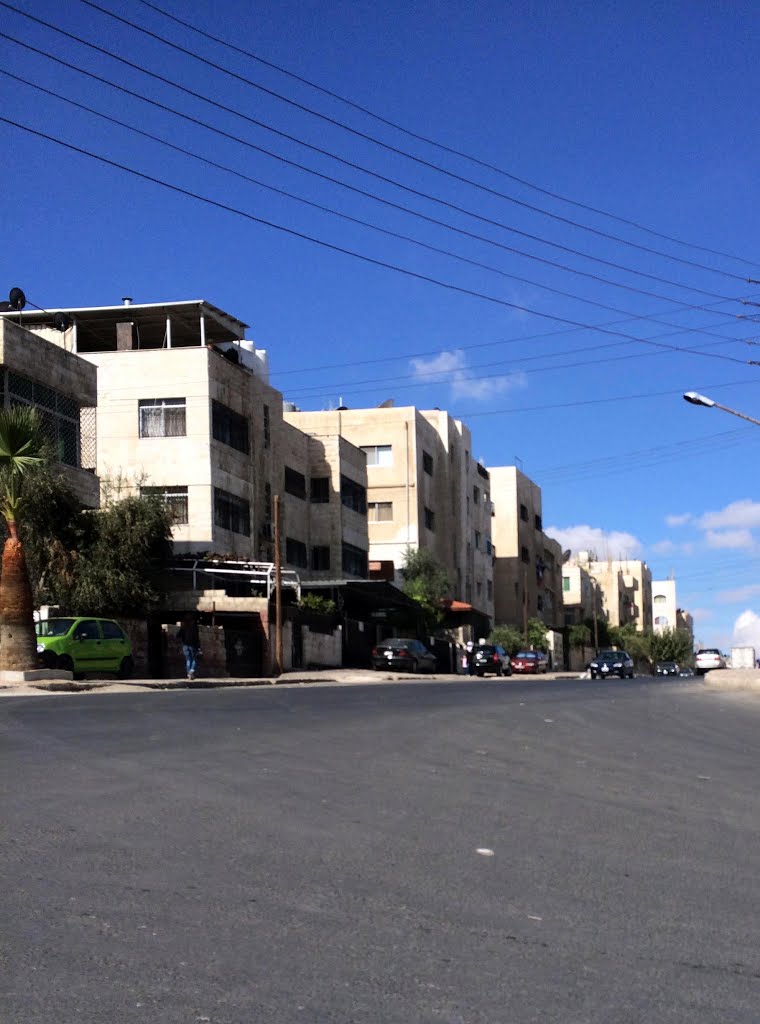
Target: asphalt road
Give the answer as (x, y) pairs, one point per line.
(241, 856)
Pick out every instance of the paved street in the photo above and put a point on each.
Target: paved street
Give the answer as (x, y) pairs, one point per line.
(311, 854)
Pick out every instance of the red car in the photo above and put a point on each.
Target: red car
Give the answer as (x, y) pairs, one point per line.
(530, 661)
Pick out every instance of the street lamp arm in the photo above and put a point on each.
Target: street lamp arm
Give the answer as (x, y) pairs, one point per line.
(741, 415)
(696, 399)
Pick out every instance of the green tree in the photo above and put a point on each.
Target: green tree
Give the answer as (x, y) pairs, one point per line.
(635, 642)
(425, 581)
(508, 637)
(23, 446)
(579, 637)
(53, 530)
(670, 645)
(537, 634)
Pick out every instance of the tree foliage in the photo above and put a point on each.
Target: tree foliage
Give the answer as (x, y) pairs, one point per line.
(671, 645)
(537, 634)
(425, 581)
(579, 636)
(508, 637)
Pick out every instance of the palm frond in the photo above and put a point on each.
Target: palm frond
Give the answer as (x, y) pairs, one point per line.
(23, 443)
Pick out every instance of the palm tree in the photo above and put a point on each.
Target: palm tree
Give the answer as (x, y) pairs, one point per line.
(22, 446)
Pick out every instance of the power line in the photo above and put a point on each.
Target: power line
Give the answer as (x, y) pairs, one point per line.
(355, 166)
(400, 152)
(440, 145)
(351, 252)
(345, 216)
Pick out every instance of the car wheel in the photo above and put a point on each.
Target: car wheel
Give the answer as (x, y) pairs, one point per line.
(414, 667)
(49, 659)
(65, 663)
(499, 670)
(126, 668)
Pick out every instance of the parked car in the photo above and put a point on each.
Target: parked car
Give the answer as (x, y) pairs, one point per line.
(491, 658)
(666, 668)
(608, 663)
(707, 659)
(404, 654)
(80, 645)
(530, 661)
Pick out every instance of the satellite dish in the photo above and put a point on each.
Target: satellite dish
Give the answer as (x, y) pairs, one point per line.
(61, 322)
(566, 555)
(17, 299)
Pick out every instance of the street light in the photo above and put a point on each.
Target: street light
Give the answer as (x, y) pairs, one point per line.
(696, 399)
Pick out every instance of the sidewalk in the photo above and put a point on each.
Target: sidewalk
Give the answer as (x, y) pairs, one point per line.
(323, 677)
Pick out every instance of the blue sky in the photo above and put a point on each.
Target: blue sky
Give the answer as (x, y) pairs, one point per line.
(641, 111)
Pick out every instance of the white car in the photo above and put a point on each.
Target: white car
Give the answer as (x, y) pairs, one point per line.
(707, 659)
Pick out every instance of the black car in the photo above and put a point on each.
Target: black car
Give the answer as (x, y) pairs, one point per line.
(491, 658)
(666, 668)
(403, 654)
(611, 663)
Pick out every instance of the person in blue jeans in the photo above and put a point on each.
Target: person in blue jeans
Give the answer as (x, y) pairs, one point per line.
(188, 637)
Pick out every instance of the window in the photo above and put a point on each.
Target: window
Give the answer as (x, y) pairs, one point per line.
(524, 513)
(173, 498)
(540, 603)
(489, 546)
(320, 490)
(353, 495)
(661, 620)
(59, 415)
(479, 589)
(660, 599)
(429, 519)
(525, 555)
(267, 428)
(87, 631)
(229, 427)
(427, 463)
(162, 417)
(476, 495)
(295, 483)
(267, 503)
(354, 561)
(477, 540)
(380, 511)
(320, 558)
(489, 589)
(378, 454)
(565, 583)
(295, 552)
(232, 513)
(539, 524)
(111, 630)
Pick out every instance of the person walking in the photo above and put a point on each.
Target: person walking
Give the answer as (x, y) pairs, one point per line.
(189, 638)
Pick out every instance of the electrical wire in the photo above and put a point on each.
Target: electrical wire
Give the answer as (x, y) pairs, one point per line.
(400, 152)
(338, 213)
(355, 166)
(440, 145)
(303, 236)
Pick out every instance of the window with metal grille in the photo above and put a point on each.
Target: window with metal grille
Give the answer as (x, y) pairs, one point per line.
(354, 561)
(162, 417)
(427, 463)
(525, 555)
(295, 552)
(320, 490)
(58, 415)
(353, 495)
(320, 557)
(231, 512)
(173, 498)
(295, 483)
(429, 516)
(229, 427)
(380, 511)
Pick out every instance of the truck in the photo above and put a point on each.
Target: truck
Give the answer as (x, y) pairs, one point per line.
(743, 657)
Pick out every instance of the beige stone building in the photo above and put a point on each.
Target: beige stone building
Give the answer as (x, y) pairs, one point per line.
(528, 563)
(424, 490)
(63, 389)
(581, 596)
(625, 587)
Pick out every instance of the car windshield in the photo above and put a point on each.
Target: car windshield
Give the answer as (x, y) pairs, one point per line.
(526, 654)
(610, 656)
(54, 627)
(485, 649)
(397, 643)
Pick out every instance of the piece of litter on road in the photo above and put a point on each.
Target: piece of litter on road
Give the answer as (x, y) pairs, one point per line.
(533, 917)
(481, 751)
(704, 778)
(484, 851)
(549, 720)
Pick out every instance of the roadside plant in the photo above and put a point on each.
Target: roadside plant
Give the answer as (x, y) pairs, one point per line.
(508, 637)
(425, 581)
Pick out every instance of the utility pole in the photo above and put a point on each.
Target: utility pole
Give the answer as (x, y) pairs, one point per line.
(277, 667)
(525, 605)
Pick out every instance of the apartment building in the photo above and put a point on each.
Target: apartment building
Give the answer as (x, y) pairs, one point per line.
(528, 563)
(581, 596)
(626, 589)
(664, 604)
(63, 389)
(424, 490)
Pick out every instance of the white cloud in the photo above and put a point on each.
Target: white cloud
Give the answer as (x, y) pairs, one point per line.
(663, 547)
(747, 630)
(701, 614)
(451, 368)
(743, 514)
(614, 544)
(679, 520)
(729, 539)
(739, 594)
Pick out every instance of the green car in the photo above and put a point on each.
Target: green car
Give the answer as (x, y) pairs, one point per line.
(81, 645)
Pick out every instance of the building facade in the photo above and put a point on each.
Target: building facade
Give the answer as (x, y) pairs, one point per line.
(625, 588)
